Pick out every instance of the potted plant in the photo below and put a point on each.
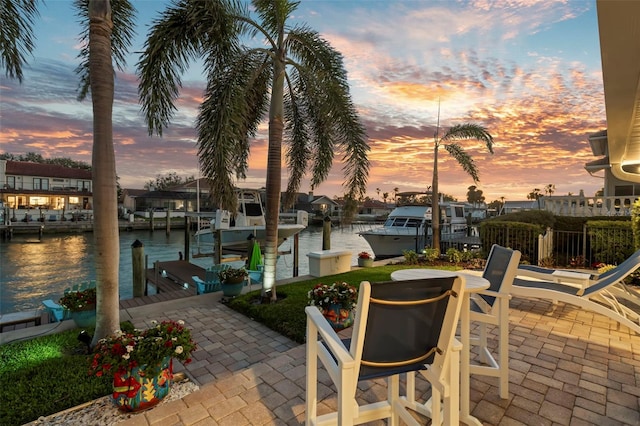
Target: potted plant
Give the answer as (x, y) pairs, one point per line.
(336, 301)
(141, 362)
(365, 260)
(81, 305)
(232, 280)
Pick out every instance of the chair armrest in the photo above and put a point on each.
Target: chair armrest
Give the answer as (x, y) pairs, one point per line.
(494, 293)
(457, 345)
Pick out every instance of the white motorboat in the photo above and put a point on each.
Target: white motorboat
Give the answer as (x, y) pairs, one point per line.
(408, 226)
(249, 220)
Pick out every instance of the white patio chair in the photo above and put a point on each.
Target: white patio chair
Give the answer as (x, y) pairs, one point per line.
(400, 327)
(491, 307)
(566, 276)
(608, 295)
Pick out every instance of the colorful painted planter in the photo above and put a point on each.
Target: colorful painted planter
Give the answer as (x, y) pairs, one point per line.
(135, 391)
(338, 318)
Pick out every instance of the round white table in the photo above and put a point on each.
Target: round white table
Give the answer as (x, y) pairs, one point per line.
(473, 284)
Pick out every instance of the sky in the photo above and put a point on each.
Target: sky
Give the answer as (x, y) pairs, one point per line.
(528, 70)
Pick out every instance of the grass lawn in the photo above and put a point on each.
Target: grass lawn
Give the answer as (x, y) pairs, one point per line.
(287, 317)
(48, 374)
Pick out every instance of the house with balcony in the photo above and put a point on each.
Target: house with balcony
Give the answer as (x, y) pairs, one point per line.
(45, 192)
(619, 190)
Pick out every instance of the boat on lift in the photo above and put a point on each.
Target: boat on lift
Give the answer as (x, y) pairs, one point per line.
(248, 221)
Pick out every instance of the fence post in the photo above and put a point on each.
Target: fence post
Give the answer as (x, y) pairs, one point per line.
(584, 245)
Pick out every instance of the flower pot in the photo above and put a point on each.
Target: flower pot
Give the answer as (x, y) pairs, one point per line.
(84, 319)
(338, 318)
(232, 289)
(135, 391)
(365, 263)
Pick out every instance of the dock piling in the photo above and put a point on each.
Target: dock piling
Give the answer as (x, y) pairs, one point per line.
(138, 269)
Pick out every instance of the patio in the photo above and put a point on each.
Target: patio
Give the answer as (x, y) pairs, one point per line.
(568, 367)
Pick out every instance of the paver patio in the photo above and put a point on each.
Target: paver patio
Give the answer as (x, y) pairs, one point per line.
(568, 367)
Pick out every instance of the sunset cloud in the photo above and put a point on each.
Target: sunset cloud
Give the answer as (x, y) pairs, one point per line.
(499, 64)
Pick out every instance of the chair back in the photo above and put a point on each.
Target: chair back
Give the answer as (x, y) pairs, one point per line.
(213, 271)
(408, 324)
(211, 277)
(500, 271)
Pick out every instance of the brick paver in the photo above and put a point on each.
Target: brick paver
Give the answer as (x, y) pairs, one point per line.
(568, 367)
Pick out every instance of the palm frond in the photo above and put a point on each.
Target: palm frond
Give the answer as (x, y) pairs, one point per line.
(298, 153)
(464, 159)
(274, 13)
(16, 34)
(235, 103)
(469, 131)
(332, 117)
(123, 16)
(182, 33)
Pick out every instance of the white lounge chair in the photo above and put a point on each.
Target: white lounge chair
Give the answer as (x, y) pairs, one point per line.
(607, 295)
(584, 278)
(400, 327)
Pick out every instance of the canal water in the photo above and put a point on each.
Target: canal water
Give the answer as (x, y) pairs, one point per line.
(32, 270)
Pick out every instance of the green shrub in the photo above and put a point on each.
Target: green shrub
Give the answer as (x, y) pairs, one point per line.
(635, 224)
(467, 256)
(410, 257)
(543, 218)
(431, 254)
(610, 241)
(454, 255)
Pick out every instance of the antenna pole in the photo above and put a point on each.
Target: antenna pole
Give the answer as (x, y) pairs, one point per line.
(437, 123)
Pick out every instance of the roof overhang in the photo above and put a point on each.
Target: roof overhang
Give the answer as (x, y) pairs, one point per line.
(597, 165)
(619, 27)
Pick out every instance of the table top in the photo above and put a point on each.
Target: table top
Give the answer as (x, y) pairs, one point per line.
(473, 283)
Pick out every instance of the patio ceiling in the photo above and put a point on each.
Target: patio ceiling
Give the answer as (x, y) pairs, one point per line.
(619, 26)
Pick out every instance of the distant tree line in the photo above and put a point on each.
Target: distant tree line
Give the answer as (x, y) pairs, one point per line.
(163, 182)
(33, 157)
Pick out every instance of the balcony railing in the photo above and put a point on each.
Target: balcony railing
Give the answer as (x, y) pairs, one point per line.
(578, 206)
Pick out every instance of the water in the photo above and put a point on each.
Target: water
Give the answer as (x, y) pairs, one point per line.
(32, 271)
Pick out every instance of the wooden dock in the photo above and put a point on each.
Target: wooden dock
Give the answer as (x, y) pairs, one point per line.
(168, 286)
(162, 288)
(20, 320)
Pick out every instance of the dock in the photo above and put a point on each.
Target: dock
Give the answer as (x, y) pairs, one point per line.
(162, 288)
(20, 320)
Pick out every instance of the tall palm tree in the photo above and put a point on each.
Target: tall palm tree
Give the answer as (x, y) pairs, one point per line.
(448, 141)
(295, 78)
(107, 29)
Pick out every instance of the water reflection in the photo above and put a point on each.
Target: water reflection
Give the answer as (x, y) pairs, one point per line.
(33, 271)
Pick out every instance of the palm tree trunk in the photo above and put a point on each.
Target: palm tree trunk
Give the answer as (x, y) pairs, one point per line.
(274, 178)
(435, 203)
(105, 201)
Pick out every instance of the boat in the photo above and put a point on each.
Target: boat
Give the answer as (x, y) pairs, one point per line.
(236, 230)
(408, 226)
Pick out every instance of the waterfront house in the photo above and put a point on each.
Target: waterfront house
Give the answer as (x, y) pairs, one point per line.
(46, 192)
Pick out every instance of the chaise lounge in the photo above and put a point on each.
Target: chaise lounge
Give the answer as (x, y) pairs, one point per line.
(606, 294)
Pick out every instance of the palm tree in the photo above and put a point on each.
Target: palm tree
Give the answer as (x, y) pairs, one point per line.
(297, 80)
(102, 26)
(550, 189)
(458, 132)
(535, 195)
